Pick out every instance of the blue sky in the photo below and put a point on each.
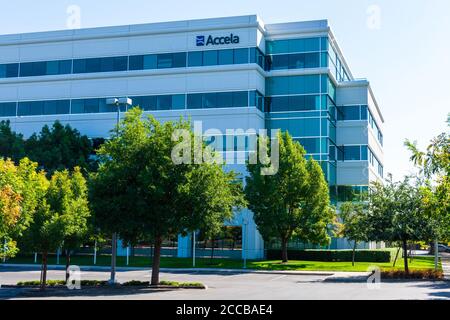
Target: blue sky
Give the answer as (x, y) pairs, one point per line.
(401, 46)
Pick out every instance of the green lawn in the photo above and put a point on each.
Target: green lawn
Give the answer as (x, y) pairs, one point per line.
(425, 262)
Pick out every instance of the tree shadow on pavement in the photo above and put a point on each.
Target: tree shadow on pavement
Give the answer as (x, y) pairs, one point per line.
(86, 292)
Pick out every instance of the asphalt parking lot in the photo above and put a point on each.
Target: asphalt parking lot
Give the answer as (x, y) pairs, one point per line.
(235, 286)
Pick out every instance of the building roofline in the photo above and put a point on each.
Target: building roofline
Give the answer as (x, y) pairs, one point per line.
(134, 30)
(339, 51)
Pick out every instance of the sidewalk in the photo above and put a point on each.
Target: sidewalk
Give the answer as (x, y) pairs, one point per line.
(445, 260)
(194, 270)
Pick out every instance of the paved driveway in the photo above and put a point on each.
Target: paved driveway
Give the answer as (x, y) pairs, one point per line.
(238, 286)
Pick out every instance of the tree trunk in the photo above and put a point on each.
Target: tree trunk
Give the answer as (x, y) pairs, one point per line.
(213, 244)
(156, 261)
(405, 255)
(284, 251)
(44, 270)
(353, 255)
(67, 264)
(396, 256)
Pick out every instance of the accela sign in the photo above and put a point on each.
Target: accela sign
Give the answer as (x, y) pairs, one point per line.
(215, 41)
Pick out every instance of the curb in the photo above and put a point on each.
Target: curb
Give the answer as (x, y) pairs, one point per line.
(187, 270)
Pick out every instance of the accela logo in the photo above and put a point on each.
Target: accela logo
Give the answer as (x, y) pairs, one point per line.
(215, 41)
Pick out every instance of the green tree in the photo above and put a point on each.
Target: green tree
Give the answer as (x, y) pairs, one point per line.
(21, 190)
(61, 216)
(12, 145)
(294, 201)
(434, 165)
(396, 213)
(353, 217)
(140, 192)
(58, 148)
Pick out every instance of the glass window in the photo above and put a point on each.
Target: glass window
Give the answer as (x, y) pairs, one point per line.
(136, 62)
(304, 45)
(164, 102)
(149, 103)
(93, 65)
(277, 85)
(165, 61)
(225, 57)
(210, 100)
(79, 66)
(351, 112)
(240, 56)
(279, 104)
(30, 69)
(120, 64)
(256, 56)
(77, 106)
(240, 99)
(65, 66)
(311, 145)
(332, 153)
(179, 60)
(304, 84)
(150, 61)
(178, 101)
(195, 101)
(363, 112)
(352, 153)
(364, 153)
(279, 46)
(279, 62)
(57, 107)
(103, 107)
(195, 59)
(224, 99)
(210, 58)
(91, 105)
(10, 70)
(52, 68)
(30, 108)
(8, 109)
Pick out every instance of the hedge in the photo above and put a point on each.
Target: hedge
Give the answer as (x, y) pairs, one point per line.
(332, 255)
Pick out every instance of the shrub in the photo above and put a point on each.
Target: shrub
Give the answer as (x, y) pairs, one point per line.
(425, 274)
(135, 283)
(182, 284)
(55, 283)
(333, 255)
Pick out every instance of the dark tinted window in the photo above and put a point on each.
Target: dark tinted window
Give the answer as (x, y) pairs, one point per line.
(10, 70)
(210, 58)
(210, 100)
(351, 113)
(240, 56)
(363, 112)
(352, 153)
(224, 99)
(179, 60)
(136, 62)
(195, 59)
(311, 145)
(30, 108)
(164, 102)
(225, 57)
(364, 153)
(8, 109)
(195, 101)
(240, 99)
(29, 69)
(57, 107)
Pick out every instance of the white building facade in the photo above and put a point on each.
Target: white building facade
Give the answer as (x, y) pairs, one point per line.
(228, 73)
